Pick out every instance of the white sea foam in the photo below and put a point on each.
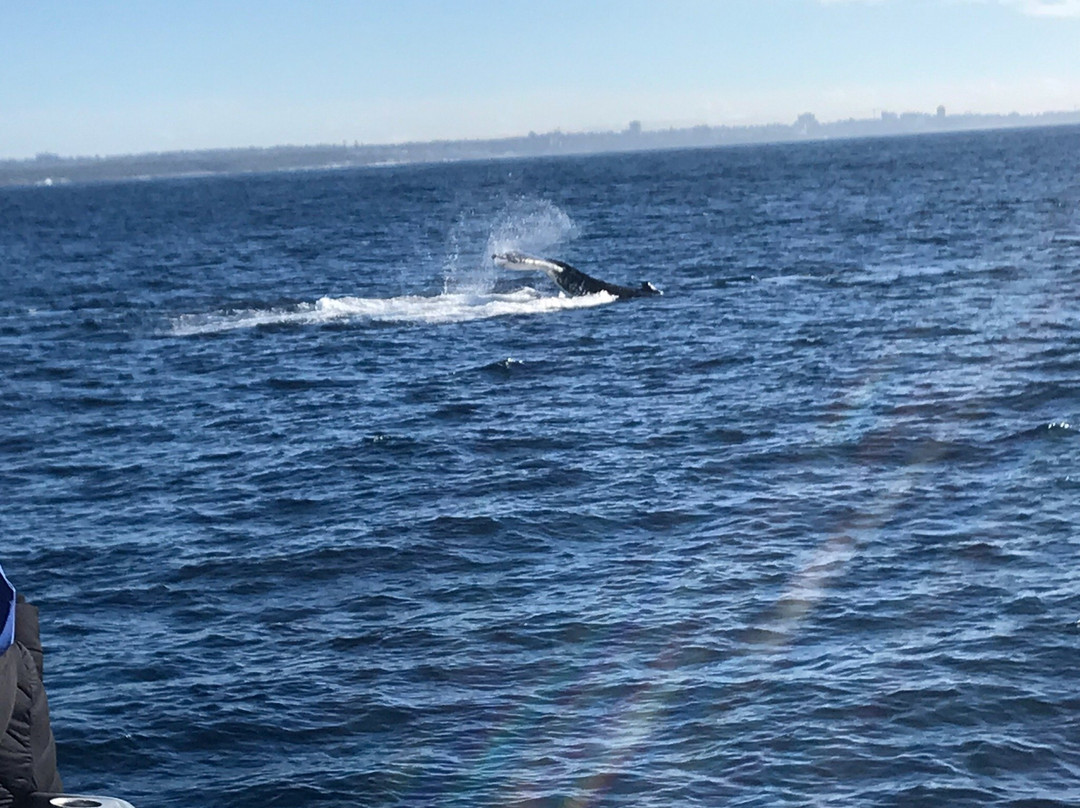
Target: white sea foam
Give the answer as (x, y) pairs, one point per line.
(433, 310)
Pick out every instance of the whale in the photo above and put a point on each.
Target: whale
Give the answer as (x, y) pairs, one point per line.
(572, 281)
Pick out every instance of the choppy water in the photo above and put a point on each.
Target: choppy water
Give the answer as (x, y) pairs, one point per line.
(323, 509)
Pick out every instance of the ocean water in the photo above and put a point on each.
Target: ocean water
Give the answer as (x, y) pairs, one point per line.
(322, 509)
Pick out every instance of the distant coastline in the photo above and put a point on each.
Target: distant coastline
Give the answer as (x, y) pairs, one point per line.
(51, 169)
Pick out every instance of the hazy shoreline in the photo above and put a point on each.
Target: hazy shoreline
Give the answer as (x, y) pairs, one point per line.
(51, 169)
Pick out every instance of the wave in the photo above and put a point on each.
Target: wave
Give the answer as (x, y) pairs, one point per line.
(428, 310)
(1048, 431)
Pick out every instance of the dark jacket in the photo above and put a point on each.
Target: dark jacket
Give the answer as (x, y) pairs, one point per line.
(27, 748)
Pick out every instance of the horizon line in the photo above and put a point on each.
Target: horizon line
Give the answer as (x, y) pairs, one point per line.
(634, 126)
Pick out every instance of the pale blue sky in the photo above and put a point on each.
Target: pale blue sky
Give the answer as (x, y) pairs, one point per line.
(99, 77)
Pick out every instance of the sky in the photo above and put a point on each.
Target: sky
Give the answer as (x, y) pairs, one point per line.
(101, 77)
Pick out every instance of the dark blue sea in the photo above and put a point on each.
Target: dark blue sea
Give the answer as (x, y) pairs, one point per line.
(321, 508)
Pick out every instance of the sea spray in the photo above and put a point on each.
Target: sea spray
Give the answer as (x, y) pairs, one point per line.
(526, 224)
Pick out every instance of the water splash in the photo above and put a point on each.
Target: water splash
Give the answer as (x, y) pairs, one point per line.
(530, 225)
(526, 224)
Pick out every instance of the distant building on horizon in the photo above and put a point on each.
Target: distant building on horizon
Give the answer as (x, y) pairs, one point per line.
(807, 124)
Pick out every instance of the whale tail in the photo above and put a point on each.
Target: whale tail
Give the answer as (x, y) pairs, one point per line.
(572, 281)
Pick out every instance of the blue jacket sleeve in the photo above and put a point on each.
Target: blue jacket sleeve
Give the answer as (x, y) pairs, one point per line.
(7, 612)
